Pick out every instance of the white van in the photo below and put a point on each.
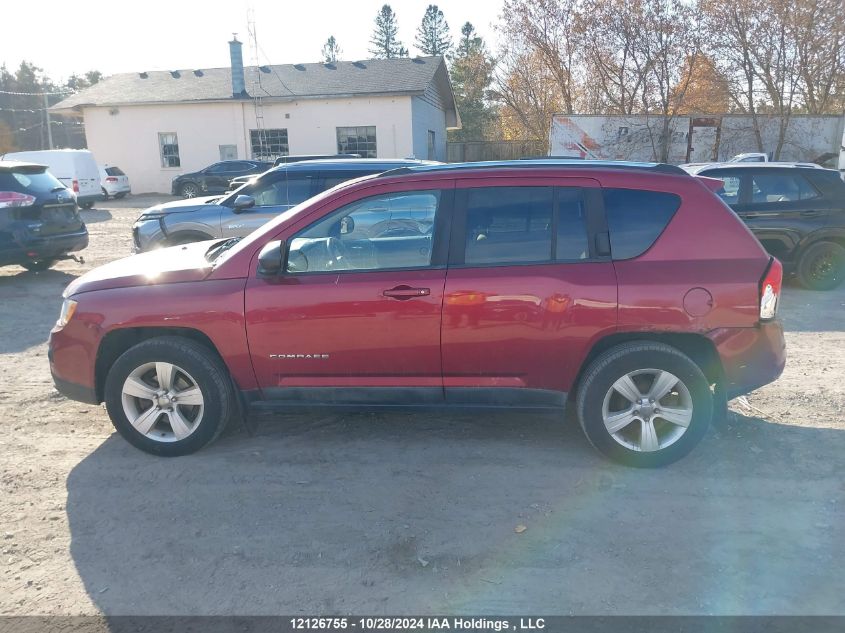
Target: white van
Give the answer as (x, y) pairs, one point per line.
(75, 168)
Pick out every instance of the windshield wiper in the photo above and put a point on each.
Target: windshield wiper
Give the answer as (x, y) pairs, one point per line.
(215, 250)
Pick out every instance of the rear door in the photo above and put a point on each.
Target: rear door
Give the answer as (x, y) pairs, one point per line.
(530, 287)
(781, 206)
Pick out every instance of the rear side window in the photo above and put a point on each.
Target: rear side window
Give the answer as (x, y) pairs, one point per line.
(29, 182)
(636, 218)
(780, 187)
(509, 224)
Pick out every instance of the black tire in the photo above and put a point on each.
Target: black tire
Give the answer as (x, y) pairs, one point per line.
(87, 205)
(105, 195)
(189, 190)
(822, 266)
(612, 365)
(38, 265)
(220, 401)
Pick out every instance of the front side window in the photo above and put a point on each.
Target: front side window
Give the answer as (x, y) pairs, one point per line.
(168, 145)
(389, 231)
(780, 187)
(636, 218)
(357, 140)
(269, 144)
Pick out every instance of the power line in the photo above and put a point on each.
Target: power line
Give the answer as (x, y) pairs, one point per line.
(36, 94)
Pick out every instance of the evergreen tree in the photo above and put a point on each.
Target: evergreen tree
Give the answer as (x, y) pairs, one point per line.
(433, 33)
(330, 51)
(472, 73)
(385, 41)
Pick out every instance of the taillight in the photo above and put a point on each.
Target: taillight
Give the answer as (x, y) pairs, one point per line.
(111, 179)
(770, 287)
(75, 186)
(14, 199)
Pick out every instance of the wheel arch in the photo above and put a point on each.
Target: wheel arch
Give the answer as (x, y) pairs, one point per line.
(120, 340)
(698, 347)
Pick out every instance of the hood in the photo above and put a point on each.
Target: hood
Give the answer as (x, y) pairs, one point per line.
(176, 264)
(184, 205)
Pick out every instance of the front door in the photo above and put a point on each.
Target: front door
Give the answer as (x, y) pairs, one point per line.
(356, 315)
(529, 288)
(274, 193)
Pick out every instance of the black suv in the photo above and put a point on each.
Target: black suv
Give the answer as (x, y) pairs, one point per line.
(796, 211)
(39, 220)
(215, 178)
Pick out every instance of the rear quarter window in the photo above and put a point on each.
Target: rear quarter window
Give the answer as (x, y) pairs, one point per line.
(636, 218)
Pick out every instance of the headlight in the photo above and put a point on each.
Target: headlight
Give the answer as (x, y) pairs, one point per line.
(152, 215)
(68, 309)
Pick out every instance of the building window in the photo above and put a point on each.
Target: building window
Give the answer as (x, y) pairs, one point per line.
(432, 152)
(168, 145)
(269, 144)
(357, 140)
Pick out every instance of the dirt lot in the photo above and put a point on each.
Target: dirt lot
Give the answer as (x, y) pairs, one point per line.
(413, 513)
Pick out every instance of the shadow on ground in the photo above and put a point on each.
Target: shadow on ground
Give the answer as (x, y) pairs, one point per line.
(412, 513)
(91, 216)
(21, 329)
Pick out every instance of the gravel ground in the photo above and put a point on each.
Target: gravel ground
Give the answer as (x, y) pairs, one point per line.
(402, 513)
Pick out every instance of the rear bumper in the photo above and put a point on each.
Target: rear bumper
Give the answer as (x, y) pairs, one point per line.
(751, 357)
(34, 248)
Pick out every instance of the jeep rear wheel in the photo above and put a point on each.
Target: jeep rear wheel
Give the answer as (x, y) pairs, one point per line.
(822, 266)
(644, 404)
(169, 396)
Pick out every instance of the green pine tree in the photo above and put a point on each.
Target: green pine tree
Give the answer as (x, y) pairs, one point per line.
(385, 40)
(433, 33)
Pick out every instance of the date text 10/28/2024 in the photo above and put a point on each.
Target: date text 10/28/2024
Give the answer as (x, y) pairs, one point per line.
(432, 623)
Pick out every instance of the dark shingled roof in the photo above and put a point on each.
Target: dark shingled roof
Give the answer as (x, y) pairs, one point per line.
(286, 81)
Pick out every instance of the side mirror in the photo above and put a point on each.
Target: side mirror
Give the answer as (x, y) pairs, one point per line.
(243, 202)
(271, 259)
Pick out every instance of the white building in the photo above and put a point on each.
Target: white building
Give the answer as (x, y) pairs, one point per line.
(156, 125)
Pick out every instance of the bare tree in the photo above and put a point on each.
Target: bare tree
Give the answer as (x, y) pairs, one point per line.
(818, 28)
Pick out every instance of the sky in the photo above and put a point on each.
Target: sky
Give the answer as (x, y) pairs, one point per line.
(135, 35)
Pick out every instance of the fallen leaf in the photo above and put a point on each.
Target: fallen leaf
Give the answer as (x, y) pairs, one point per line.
(519, 529)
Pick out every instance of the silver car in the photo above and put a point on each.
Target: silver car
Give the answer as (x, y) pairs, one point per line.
(240, 212)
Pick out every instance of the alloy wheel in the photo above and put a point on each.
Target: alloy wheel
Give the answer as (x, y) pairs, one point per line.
(162, 402)
(647, 410)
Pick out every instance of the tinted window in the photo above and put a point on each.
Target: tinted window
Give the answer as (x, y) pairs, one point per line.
(729, 192)
(29, 182)
(508, 224)
(217, 168)
(636, 218)
(571, 225)
(335, 178)
(780, 187)
(389, 231)
(280, 189)
(114, 171)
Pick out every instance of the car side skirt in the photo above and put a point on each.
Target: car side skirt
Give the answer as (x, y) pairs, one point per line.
(286, 398)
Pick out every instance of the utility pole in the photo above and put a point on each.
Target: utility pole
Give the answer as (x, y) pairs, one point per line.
(49, 124)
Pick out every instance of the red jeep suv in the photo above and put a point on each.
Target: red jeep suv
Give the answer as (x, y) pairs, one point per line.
(629, 290)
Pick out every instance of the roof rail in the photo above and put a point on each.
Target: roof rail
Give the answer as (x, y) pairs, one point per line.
(541, 163)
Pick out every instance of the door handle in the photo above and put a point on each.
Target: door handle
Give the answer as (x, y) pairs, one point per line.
(403, 293)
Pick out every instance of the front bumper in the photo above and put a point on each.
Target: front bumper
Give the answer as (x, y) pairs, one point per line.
(71, 352)
(51, 247)
(147, 235)
(751, 357)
